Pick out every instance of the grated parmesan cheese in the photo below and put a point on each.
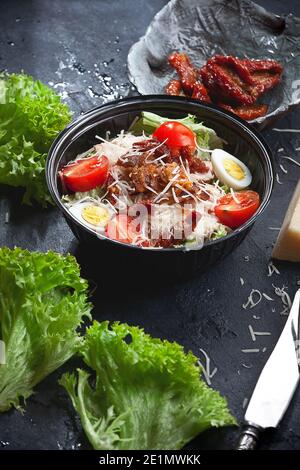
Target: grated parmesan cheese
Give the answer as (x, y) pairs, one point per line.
(251, 303)
(285, 299)
(208, 374)
(291, 160)
(285, 130)
(272, 269)
(250, 351)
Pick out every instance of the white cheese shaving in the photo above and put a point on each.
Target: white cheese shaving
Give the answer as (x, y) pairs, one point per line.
(150, 189)
(277, 179)
(234, 196)
(283, 169)
(257, 333)
(242, 281)
(268, 297)
(285, 130)
(208, 374)
(272, 269)
(251, 303)
(117, 147)
(292, 160)
(166, 188)
(249, 351)
(175, 196)
(285, 299)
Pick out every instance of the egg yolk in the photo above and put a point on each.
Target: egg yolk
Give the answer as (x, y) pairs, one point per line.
(95, 215)
(233, 169)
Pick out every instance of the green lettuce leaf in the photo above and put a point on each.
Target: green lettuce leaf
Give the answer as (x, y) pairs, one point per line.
(221, 232)
(206, 137)
(31, 115)
(42, 302)
(146, 393)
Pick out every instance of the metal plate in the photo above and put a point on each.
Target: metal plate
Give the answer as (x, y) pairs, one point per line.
(203, 28)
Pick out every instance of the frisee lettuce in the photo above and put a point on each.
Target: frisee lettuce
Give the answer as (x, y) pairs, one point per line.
(31, 115)
(206, 137)
(221, 232)
(146, 394)
(42, 302)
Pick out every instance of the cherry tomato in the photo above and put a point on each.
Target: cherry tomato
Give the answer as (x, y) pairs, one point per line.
(176, 135)
(86, 174)
(235, 211)
(119, 229)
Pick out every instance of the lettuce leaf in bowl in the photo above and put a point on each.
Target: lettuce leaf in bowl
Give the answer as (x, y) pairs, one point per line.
(146, 393)
(31, 115)
(42, 302)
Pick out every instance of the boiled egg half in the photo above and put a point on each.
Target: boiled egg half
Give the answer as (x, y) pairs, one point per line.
(95, 216)
(230, 170)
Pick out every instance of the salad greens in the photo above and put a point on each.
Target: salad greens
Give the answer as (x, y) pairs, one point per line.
(42, 302)
(31, 115)
(206, 137)
(221, 232)
(146, 394)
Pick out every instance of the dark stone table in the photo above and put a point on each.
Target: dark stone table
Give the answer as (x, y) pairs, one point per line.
(80, 48)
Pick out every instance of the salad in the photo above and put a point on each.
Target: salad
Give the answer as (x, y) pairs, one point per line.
(162, 184)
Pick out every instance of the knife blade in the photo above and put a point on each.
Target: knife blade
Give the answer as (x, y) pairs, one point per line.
(276, 384)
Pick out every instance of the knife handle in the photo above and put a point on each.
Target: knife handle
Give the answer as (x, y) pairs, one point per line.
(249, 438)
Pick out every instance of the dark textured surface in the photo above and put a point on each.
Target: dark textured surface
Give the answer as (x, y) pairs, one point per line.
(204, 312)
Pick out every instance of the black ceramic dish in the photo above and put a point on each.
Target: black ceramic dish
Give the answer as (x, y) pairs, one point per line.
(242, 139)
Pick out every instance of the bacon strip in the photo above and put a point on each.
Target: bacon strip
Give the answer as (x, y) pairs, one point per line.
(234, 84)
(201, 93)
(246, 112)
(187, 73)
(173, 88)
(240, 81)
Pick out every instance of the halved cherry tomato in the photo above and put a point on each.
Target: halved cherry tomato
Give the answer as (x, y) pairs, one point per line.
(86, 174)
(235, 211)
(176, 135)
(118, 228)
(125, 229)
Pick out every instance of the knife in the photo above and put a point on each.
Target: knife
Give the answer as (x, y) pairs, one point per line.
(276, 384)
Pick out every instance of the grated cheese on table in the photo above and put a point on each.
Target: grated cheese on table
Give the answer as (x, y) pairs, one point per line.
(208, 374)
(251, 303)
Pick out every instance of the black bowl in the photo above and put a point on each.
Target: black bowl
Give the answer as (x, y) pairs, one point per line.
(242, 139)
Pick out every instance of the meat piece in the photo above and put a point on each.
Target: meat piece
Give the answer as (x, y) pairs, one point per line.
(145, 176)
(144, 151)
(200, 93)
(239, 81)
(197, 165)
(172, 170)
(187, 73)
(173, 88)
(267, 65)
(246, 112)
(224, 84)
